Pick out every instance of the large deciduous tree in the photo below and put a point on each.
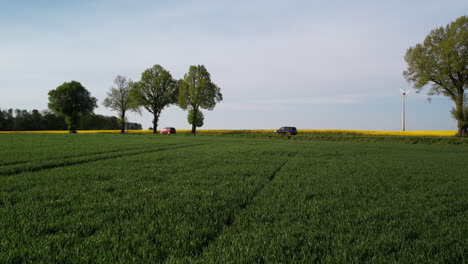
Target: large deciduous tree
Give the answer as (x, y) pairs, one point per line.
(71, 100)
(442, 61)
(196, 92)
(155, 91)
(119, 100)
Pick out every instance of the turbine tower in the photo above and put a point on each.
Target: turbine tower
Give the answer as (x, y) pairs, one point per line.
(403, 94)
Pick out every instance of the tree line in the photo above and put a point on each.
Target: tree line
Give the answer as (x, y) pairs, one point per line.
(440, 61)
(23, 120)
(155, 90)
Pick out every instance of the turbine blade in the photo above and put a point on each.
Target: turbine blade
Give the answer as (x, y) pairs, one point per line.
(402, 90)
(410, 90)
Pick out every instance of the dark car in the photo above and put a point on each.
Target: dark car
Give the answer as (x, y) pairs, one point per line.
(286, 131)
(168, 130)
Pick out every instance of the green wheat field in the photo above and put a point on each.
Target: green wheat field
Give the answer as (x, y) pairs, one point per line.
(93, 198)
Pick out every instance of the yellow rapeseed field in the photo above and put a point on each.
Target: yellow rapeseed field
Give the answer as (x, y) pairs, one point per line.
(384, 133)
(300, 131)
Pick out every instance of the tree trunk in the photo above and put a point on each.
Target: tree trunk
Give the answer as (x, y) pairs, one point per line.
(194, 120)
(461, 131)
(122, 122)
(155, 122)
(194, 129)
(71, 128)
(460, 114)
(72, 124)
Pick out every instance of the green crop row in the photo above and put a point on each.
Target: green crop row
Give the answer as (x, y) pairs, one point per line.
(355, 204)
(224, 199)
(339, 137)
(24, 148)
(154, 206)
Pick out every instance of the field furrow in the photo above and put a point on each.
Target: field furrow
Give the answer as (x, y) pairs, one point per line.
(50, 164)
(146, 199)
(180, 199)
(244, 205)
(355, 206)
(65, 156)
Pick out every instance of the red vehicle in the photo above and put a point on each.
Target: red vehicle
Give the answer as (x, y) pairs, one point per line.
(168, 130)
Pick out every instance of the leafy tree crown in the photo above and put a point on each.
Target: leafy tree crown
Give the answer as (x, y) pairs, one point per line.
(441, 60)
(71, 99)
(197, 90)
(156, 89)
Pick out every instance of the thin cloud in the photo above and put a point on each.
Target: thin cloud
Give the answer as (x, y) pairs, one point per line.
(319, 100)
(305, 53)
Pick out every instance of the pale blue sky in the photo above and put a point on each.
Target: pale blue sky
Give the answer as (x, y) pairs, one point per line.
(311, 64)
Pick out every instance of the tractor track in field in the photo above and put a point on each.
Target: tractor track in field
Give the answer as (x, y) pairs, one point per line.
(16, 171)
(12, 163)
(244, 206)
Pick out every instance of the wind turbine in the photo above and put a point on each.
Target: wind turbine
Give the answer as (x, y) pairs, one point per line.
(403, 94)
